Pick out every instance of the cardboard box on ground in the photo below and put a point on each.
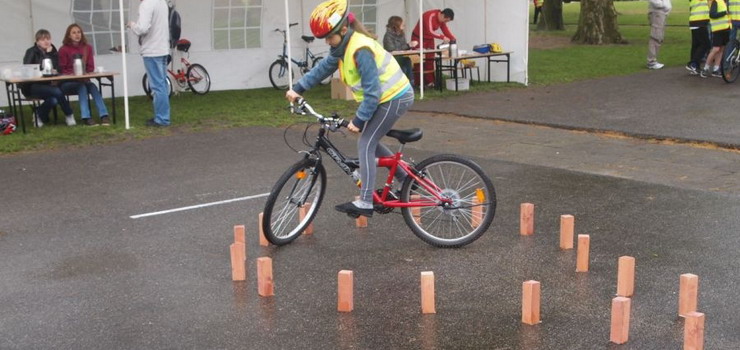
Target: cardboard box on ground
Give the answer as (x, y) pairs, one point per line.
(340, 91)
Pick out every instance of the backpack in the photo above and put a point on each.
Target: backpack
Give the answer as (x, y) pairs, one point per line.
(175, 25)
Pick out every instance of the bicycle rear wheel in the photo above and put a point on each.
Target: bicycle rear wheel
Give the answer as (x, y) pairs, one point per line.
(304, 182)
(730, 66)
(472, 202)
(198, 79)
(148, 90)
(279, 74)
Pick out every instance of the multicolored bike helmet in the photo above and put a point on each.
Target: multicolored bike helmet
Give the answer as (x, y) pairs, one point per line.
(7, 127)
(328, 17)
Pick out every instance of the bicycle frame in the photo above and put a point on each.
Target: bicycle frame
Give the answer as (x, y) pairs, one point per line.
(392, 163)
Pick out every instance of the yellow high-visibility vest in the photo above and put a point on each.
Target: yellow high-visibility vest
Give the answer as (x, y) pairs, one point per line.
(734, 8)
(392, 79)
(723, 22)
(699, 13)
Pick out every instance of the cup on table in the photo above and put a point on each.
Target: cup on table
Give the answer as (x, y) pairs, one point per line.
(99, 69)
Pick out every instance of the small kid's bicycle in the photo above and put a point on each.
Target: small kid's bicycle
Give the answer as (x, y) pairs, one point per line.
(446, 200)
(193, 77)
(279, 69)
(731, 64)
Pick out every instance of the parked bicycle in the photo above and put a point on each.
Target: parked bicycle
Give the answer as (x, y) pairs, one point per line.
(193, 77)
(279, 69)
(731, 63)
(446, 200)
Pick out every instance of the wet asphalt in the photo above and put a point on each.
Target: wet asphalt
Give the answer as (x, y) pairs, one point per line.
(78, 272)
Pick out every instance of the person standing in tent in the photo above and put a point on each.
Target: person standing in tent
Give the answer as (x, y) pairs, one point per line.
(431, 21)
(153, 30)
(376, 80)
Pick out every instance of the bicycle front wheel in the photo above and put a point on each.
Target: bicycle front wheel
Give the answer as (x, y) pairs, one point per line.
(302, 185)
(730, 65)
(279, 75)
(198, 79)
(148, 90)
(470, 207)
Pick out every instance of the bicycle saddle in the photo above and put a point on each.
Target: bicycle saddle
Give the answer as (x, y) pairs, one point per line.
(404, 136)
(308, 39)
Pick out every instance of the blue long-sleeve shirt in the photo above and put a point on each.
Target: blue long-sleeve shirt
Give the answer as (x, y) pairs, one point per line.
(370, 79)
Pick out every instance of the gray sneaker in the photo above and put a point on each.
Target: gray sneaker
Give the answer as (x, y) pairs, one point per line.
(704, 73)
(655, 65)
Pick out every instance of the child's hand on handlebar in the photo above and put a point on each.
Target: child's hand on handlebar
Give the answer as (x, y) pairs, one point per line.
(351, 127)
(292, 95)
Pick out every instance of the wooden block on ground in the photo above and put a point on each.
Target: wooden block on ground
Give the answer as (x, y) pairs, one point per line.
(531, 302)
(265, 285)
(239, 233)
(238, 266)
(693, 331)
(345, 291)
(620, 327)
(688, 294)
(567, 223)
(416, 211)
(302, 211)
(360, 221)
(263, 240)
(526, 219)
(476, 213)
(584, 241)
(427, 293)
(626, 276)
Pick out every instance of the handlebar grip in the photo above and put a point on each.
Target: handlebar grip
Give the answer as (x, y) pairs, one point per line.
(344, 123)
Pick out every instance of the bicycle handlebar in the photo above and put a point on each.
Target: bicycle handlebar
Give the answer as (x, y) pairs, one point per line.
(302, 107)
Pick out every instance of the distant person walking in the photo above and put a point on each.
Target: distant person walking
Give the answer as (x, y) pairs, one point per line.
(720, 22)
(657, 13)
(699, 24)
(153, 29)
(537, 9)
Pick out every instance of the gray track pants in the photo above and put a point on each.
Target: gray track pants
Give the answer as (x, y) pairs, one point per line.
(369, 146)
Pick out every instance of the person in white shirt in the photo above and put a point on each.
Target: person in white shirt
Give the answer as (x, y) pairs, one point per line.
(153, 30)
(657, 13)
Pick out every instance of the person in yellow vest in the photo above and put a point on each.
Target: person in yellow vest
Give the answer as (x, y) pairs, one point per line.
(377, 83)
(657, 13)
(699, 25)
(537, 9)
(720, 22)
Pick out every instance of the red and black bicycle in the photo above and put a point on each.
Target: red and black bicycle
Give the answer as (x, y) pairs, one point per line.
(447, 200)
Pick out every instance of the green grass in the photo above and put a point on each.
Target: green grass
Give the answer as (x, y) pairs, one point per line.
(577, 62)
(267, 107)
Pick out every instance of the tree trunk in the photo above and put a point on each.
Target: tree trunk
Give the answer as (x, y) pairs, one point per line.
(597, 24)
(551, 17)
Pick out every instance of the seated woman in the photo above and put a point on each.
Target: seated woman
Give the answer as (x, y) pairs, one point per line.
(75, 45)
(395, 40)
(49, 92)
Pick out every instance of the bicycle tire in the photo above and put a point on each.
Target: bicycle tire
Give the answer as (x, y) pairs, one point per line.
(279, 74)
(306, 177)
(198, 79)
(148, 91)
(461, 180)
(730, 68)
(316, 60)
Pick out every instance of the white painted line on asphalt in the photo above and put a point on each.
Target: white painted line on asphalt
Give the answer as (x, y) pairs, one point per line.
(139, 216)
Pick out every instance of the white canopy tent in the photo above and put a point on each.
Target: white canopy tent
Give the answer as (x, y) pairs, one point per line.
(476, 22)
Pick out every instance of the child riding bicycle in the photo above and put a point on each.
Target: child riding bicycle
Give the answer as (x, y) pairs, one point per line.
(377, 83)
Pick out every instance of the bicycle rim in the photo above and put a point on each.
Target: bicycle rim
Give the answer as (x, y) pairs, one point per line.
(198, 79)
(279, 75)
(304, 184)
(472, 202)
(731, 66)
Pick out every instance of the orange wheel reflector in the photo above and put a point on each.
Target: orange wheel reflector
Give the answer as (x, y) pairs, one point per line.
(301, 174)
(481, 196)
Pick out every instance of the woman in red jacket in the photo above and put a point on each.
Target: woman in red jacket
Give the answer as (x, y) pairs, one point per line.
(75, 45)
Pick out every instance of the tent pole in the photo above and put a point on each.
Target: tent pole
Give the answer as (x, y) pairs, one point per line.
(421, 49)
(287, 37)
(123, 61)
